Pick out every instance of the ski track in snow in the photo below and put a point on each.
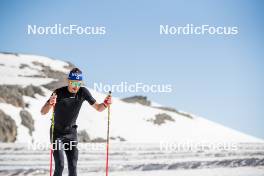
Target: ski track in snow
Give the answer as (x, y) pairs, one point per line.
(136, 159)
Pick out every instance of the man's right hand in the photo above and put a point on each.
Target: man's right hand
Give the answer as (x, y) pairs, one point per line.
(53, 99)
(48, 105)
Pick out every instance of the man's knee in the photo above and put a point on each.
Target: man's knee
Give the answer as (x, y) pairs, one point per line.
(59, 161)
(60, 165)
(72, 158)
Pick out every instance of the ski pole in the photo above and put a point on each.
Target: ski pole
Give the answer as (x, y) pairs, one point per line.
(107, 141)
(51, 145)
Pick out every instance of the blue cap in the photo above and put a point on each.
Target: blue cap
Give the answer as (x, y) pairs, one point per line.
(75, 76)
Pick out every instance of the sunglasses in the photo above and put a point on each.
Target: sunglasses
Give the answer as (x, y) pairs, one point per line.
(75, 84)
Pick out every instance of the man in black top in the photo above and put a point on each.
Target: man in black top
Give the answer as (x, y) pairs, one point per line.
(67, 102)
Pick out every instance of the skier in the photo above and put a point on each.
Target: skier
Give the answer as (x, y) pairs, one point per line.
(67, 102)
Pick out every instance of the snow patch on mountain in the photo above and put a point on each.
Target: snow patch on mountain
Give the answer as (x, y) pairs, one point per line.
(129, 121)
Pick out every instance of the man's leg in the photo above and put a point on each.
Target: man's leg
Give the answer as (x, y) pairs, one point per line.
(58, 158)
(72, 158)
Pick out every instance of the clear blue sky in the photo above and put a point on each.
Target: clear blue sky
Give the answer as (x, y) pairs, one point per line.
(217, 77)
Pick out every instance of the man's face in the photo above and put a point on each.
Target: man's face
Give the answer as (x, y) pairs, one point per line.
(74, 85)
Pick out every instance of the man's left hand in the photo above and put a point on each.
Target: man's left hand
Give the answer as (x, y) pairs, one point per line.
(108, 100)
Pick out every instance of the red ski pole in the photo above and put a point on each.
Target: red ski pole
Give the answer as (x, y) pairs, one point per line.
(107, 141)
(51, 145)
